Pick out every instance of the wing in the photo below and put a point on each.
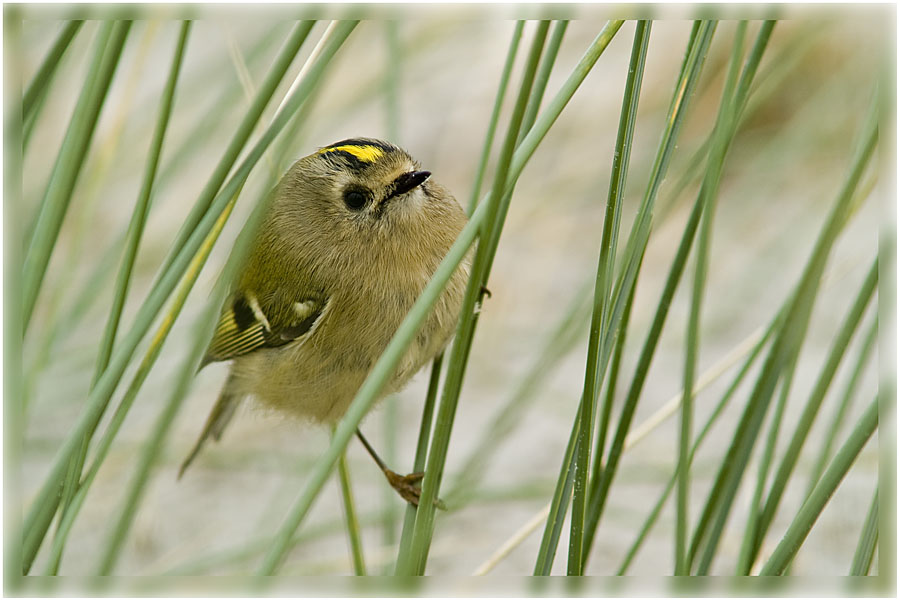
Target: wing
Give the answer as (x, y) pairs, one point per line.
(245, 326)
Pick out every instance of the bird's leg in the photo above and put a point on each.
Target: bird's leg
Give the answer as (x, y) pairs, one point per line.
(406, 486)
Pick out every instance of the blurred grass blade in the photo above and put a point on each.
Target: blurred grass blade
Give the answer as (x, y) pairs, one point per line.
(44, 505)
(356, 548)
(105, 444)
(178, 157)
(142, 207)
(135, 231)
(14, 424)
(495, 115)
(393, 67)
(236, 557)
(414, 562)
(787, 342)
(868, 539)
(392, 81)
(714, 416)
(725, 130)
(61, 327)
(110, 41)
(811, 409)
(238, 140)
(112, 551)
(48, 67)
(595, 362)
(813, 506)
(69, 161)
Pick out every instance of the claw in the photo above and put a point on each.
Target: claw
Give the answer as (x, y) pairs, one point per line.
(408, 487)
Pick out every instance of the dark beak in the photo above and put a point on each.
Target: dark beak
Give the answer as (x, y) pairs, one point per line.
(408, 181)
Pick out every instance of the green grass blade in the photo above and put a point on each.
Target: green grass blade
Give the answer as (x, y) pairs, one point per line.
(48, 67)
(561, 495)
(609, 398)
(786, 343)
(672, 280)
(141, 210)
(414, 563)
(542, 77)
(811, 409)
(846, 400)
(549, 115)
(698, 46)
(561, 340)
(637, 243)
(695, 55)
(725, 130)
(813, 506)
(555, 107)
(745, 559)
(529, 95)
(868, 540)
(595, 362)
(558, 506)
(495, 115)
(353, 532)
(409, 518)
(135, 231)
(69, 161)
(44, 506)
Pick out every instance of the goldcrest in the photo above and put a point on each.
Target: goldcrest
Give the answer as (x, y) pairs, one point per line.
(353, 234)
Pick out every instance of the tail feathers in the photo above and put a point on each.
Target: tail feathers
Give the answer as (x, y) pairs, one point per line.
(215, 424)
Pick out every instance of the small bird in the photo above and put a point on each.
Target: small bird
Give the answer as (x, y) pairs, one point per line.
(353, 234)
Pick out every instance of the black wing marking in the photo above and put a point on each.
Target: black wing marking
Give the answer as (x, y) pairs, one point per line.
(243, 327)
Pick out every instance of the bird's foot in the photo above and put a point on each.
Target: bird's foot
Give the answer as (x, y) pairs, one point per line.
(409, 487)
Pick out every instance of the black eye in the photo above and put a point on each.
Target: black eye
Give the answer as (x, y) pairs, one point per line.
(355, 200)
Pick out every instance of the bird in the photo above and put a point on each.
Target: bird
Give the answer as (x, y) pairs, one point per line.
(353, 233)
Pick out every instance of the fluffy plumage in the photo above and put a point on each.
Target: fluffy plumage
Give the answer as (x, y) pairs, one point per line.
(354, 233)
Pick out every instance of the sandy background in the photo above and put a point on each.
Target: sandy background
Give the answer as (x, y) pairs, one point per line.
(780, 181)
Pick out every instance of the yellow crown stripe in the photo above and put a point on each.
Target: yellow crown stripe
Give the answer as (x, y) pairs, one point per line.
(366, 154)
